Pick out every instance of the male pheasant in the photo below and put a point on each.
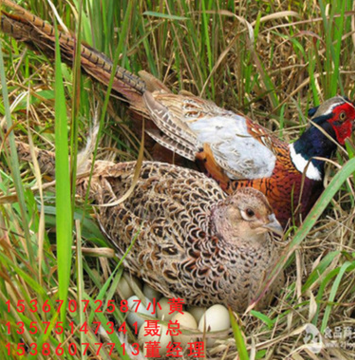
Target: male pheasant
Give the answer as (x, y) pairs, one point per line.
(230, 148)
(191, 240)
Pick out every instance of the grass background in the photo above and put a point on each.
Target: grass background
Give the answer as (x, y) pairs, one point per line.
(270, 60)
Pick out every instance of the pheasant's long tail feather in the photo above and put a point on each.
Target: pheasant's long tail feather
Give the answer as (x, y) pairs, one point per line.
(38, 34)
(46, 159)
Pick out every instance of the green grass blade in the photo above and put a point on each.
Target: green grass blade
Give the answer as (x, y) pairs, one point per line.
(25, 276)
(80, 283)
(336, 273)
(239, 341)
(113, 337)
(75, 106)
(164, 16)
(333, 293)
(336, 49)
(205, 22)
(264, 318)
(320, 269)
(63, 198)
(13, 160)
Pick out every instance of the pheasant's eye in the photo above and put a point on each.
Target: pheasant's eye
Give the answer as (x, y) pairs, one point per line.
(342, 116)
(250, 212)
(247, 214)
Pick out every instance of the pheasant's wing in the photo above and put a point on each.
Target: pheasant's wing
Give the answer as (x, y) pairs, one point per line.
(178, 136)
(190, 124)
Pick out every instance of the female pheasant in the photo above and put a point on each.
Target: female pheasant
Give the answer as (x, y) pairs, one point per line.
(191, 240)
(228, 147)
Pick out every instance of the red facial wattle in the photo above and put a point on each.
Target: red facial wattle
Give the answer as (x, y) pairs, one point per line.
(343, 131)
(343, 128)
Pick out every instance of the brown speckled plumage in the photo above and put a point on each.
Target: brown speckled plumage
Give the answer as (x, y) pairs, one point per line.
(191, 240)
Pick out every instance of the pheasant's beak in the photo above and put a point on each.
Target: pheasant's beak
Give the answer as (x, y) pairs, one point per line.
(274, 225)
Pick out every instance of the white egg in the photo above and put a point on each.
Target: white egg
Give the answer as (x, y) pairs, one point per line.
(136, 307)
(187, 322)
(127, 284)
(216, 318)
(163, 314)
(124, 288)
(196, 312)
(151, 293)
(162, 338)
